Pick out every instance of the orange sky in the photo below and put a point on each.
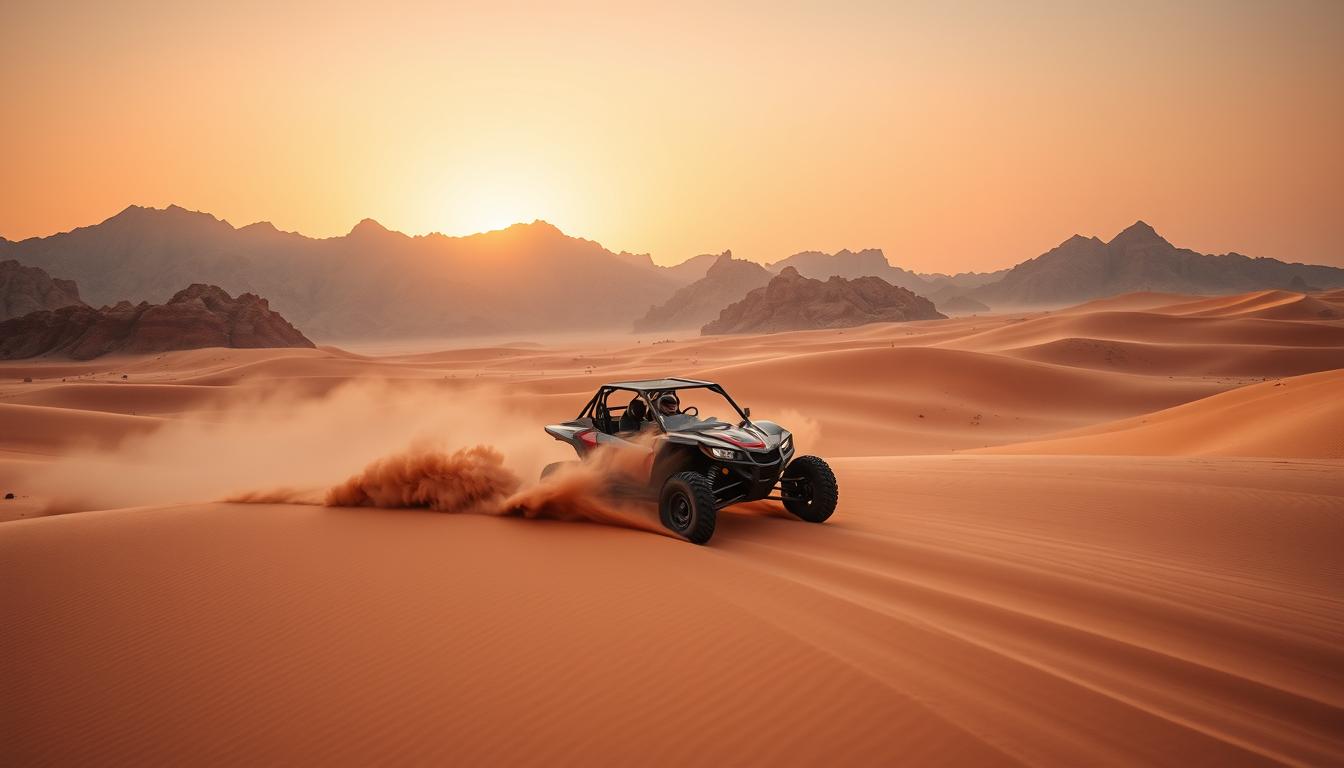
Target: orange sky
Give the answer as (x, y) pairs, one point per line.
(954, 139)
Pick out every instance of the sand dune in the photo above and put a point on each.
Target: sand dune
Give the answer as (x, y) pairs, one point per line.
(133, 399)
(1298, 417)
(43, 430)
(1218, 360)
(1275, 305)
(1138, 301)
(1156, 328)
(1166, 603)
(879, 389)
(918, 400)
(1002, 611)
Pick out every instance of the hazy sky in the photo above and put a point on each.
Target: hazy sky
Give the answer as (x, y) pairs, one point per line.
(954, 135)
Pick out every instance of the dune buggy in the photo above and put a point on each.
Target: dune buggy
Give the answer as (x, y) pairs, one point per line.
(701, 452)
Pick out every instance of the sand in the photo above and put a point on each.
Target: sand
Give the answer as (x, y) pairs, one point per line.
(1101, 536)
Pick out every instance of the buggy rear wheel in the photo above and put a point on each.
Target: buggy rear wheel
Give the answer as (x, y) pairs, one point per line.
(809, 489)
(686, 507)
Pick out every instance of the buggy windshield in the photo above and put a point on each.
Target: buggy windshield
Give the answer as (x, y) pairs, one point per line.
(696, 409)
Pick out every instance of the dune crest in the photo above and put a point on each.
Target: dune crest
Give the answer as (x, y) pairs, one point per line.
(1296, 417)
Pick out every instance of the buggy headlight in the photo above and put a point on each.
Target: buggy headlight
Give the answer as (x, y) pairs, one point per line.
(786, 444)
(727, 454)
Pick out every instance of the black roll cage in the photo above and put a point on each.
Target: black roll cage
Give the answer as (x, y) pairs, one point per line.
(597, 409)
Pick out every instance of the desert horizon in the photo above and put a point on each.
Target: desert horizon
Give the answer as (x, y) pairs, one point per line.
(1324, 258)
(845, 385)
(525, 278)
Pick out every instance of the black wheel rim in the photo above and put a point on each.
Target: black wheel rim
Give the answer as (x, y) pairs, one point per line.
(679, 512)
(800, 490)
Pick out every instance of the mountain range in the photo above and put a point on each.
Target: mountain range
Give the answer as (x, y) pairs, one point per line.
(369, 283)
(376, 283)
(1139, 259)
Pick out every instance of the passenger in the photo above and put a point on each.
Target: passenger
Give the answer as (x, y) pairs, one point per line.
(633, 418)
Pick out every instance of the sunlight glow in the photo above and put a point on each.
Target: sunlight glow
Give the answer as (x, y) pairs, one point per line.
(486, 213)
(495, 194)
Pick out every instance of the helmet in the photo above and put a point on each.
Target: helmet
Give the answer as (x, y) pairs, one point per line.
(667, 404)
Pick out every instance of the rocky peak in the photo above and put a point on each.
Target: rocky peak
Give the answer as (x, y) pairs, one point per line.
(867, 255)
(137, 217)
(367, 228)
(1138, 233)
(206, 293)
(260, 227)
(723, 262)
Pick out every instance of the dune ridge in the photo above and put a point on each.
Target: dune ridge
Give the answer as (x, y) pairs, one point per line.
(1296, 417)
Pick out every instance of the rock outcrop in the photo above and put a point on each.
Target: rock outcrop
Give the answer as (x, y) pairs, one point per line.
(30, 289)
(791, 302)
(199, 316)
(727, 280)
(961, 305)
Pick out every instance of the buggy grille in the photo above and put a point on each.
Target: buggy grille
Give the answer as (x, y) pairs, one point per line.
(766, 457)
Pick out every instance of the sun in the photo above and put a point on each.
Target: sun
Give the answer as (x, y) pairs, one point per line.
(495, 202)
(485, 213)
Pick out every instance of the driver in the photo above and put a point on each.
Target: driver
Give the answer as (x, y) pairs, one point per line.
(667, 405)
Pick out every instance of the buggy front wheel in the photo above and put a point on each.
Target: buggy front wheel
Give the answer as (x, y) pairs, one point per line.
(809, 489)
(686, 507)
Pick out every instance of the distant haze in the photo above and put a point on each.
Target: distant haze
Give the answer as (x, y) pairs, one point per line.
(953, 136)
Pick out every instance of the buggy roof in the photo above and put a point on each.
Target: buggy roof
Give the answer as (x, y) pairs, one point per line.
(659, 385)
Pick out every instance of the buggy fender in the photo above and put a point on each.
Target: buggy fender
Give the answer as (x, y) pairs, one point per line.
(674, 453)
(569, 433)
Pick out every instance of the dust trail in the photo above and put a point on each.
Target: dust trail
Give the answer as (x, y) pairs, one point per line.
(467, 480)
(475, 480)
(575, 493)
(578, 490)
(281, 443)
(375, 443)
